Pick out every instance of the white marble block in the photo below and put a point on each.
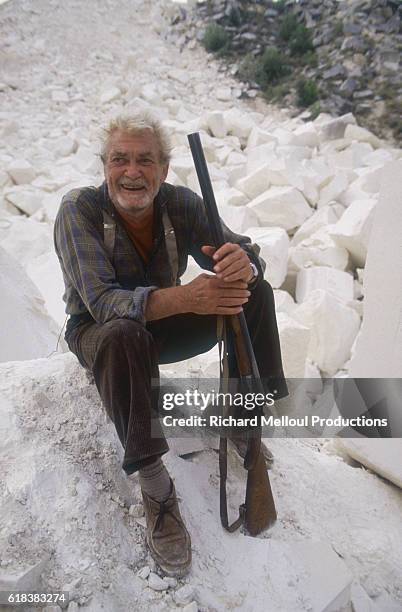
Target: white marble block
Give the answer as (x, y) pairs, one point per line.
(318, 250)
(381, 456)
(336, 282)
(294, 152)
(216, 124)
(305, 136)
(379, 346)
(334, 188)
(258, 137)
(331, 129)
(274, 244)
(230, 197)
(64, 146)
(238, 123)
(25, 198)
(21, 172)
(86, 160)
(295, 340)
(109, 95)
(255, 183)
(182, 166)
(261, 155)
(281, 206)
(284, 302)
(333, 326)
(319, 219)
(30, 332)
(25, 238)
(355, 132)
(238, 218)
(352, 231)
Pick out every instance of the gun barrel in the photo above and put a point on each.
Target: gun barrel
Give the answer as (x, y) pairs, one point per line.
(206, 189)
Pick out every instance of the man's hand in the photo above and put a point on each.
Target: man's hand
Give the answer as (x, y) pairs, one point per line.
(231, 262)
(208, 294)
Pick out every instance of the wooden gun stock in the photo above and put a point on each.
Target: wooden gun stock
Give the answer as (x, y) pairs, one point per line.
(258, 511)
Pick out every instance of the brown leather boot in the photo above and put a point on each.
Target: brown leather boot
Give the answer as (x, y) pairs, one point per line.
(167, 536)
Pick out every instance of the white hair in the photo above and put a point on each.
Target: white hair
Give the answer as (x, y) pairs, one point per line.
(136, 123)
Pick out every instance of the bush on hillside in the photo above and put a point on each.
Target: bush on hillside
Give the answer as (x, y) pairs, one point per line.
(280, 5)
(307, 92)
(301, 41)
(248, 68)
(215, 38)
(271, 67)
(276, 93)
(288, 26)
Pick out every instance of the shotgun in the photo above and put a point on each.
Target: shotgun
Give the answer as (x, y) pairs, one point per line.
(258, 511)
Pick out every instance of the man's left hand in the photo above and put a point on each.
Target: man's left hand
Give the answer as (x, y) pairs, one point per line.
(231, 262)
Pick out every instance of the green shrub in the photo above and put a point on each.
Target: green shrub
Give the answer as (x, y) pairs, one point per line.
(235, 17)
(315, 110)
(248, 68)
(275, 93)
(271, 67)
(338, 27)
(301, 42)
(215, 38)
(288, 26)
(309, 59)
(280, 5)
(307, 92)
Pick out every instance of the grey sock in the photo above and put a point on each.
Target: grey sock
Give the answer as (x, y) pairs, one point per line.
(155, 480)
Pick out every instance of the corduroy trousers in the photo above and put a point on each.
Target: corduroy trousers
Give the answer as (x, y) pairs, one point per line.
(123, 356)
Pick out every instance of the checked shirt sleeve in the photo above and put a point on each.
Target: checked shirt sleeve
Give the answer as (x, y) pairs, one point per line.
(89, 275)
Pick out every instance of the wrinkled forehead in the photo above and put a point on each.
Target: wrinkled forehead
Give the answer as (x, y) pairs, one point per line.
(141, 142)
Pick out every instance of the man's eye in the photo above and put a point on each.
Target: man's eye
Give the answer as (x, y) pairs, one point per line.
(147, 161)
(118, 159)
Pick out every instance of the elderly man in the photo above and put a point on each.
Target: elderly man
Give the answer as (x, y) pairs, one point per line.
(123, 247)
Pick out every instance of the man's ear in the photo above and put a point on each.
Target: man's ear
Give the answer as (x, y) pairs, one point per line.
(165, 172)
(103, 160)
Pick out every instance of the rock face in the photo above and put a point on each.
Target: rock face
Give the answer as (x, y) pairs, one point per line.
(26, 331)
(282, 207)
(353, 51)
(334, 327)
(381, 456)
(378, 351)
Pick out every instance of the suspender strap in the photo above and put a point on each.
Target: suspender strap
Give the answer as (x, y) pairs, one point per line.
(171, 246)
(109, 232)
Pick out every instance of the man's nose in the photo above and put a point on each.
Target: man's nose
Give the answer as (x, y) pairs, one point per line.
(133, 169)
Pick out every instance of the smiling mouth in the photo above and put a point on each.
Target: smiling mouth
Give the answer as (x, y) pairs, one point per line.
(132, 189)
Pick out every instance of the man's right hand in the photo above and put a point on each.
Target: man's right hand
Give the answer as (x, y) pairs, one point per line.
(208, 294)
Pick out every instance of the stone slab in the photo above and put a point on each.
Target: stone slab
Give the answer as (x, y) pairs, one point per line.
(379, 348)
(382, 456)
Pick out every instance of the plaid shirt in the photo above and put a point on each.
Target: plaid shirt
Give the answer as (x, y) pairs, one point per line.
(107, 288)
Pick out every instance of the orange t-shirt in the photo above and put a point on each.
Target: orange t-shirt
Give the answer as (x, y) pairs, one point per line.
(140, 233)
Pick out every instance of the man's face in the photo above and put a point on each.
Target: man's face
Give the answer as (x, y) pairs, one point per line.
(133, 171)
